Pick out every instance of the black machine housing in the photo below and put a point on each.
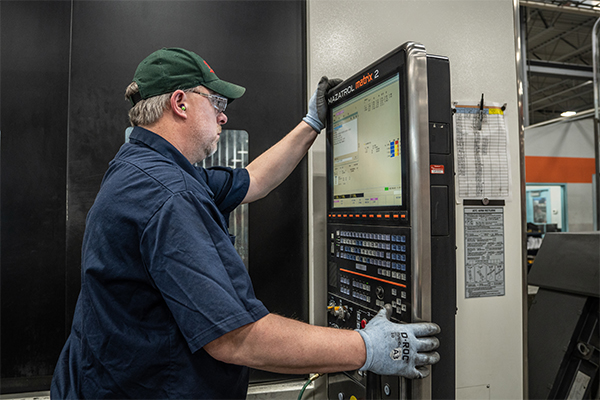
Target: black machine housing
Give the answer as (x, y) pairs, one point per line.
(402, 254)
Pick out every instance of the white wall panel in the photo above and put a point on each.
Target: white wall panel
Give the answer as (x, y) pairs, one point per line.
(478, 38)
(580, 207)
(566, 139)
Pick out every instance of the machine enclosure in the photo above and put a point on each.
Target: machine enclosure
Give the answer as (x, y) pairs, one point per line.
(563, 333)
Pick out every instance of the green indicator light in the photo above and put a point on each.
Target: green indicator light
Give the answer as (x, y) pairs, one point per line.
(387, 188)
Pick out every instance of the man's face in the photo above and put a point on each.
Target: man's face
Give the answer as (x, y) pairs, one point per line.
(206, 124)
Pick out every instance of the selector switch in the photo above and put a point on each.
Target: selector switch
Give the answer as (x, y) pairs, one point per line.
(379, 292)
(341, 312)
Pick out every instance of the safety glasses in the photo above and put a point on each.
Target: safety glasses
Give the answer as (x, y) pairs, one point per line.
(218, 102)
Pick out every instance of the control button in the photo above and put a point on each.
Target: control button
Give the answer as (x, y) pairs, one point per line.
(387, 390)
(363, 323)
(341, 312)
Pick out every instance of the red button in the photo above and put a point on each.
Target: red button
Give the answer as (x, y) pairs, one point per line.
(363, 323)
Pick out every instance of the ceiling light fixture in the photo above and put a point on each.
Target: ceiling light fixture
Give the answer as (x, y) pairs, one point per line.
(568, 114)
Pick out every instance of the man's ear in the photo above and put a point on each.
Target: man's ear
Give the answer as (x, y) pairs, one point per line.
(178, 103)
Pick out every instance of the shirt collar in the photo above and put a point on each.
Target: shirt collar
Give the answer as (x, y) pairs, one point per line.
(156, 142)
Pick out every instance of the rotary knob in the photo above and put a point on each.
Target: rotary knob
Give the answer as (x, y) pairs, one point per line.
(341, 312)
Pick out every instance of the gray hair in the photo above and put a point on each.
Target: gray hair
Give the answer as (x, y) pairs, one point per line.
(147, 111)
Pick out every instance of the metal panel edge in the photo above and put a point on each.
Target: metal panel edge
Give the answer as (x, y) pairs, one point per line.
(420, 216)
(523, 111)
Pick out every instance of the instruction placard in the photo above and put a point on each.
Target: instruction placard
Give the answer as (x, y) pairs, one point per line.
(484, 251)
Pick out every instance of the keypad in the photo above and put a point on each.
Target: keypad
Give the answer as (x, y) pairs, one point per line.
(381, 250)
(377, 268)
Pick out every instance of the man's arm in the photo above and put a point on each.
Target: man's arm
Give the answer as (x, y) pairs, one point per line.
(283, 345)
(274, 165)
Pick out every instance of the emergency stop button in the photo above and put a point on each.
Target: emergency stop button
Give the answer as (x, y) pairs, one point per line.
(363, 323)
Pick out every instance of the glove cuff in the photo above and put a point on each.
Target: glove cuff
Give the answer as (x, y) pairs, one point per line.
(314, 123)
(368, 347)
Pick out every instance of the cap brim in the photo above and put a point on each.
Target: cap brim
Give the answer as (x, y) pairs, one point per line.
(227, 89)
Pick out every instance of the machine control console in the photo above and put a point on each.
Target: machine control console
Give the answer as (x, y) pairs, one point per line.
(369, 266)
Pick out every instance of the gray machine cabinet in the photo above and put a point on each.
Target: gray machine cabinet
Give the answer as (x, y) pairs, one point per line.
(568, 262)
(563, 335)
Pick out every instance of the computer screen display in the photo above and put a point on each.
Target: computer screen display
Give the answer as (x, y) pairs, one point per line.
(366, 148)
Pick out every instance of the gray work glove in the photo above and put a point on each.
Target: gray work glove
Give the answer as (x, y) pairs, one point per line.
(317, 105)
(399, 349)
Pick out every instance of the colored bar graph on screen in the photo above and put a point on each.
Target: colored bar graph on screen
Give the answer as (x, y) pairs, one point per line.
(394, 149)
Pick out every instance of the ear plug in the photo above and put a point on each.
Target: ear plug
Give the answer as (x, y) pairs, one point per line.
(183, 108)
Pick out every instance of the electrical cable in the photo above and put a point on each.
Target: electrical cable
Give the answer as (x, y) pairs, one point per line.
(312, 378)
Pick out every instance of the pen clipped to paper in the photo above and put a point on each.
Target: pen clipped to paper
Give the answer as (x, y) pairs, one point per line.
(480, 120)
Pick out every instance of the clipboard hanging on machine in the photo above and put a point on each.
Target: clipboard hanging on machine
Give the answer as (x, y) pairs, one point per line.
(482, 156)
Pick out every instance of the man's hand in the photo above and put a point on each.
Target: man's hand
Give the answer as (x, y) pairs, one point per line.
(274, 165)
(317, 105)
(399, 349)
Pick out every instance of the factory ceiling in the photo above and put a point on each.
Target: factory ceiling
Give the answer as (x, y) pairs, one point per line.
(557, 36)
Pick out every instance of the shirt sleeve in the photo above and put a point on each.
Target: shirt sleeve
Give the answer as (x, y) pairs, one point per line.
(194, 265)
(228, 185)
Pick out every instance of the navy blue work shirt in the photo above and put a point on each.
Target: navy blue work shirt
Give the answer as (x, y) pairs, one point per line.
(160, 279)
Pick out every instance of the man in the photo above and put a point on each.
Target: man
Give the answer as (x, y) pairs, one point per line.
(166, 308)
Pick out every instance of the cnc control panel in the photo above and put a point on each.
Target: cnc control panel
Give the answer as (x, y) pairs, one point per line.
(367, 269)
(388, 125)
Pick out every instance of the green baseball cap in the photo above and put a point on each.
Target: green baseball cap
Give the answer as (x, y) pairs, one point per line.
(170, 69)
